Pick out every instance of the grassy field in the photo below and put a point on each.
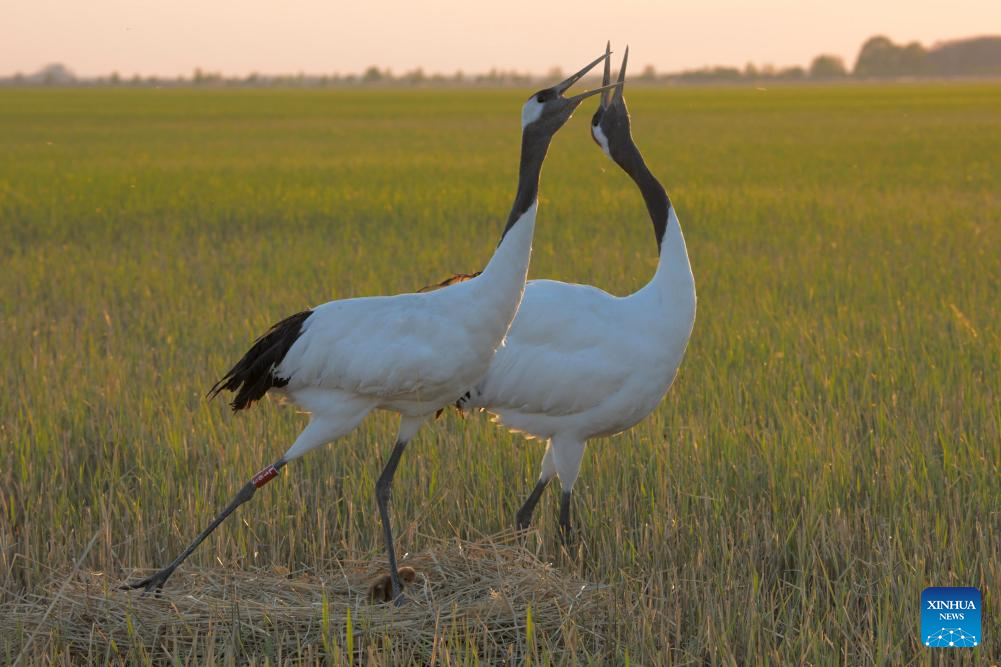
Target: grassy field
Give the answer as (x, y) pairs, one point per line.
(831, 446)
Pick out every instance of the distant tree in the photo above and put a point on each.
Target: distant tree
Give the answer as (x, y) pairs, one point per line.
(415, 77)
(372, 75)
(750, 71)
(827, 67)
(711, 75)
(649, 73)
(115, 78)
(913, 60)
(794, 73)
(54, 74)
(201, 77)
(980, 55)
(880, 57)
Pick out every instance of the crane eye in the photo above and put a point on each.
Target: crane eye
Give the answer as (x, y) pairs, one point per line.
(540, 98)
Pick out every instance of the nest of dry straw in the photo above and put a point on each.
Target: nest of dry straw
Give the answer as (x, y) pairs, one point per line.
(493, 598)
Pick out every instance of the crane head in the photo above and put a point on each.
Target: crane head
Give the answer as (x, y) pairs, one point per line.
(547, 110)
(610, 123)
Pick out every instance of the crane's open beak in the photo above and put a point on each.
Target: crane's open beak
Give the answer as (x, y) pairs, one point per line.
(617, 95)
(608, 98)
(561, 87)
(606, 78)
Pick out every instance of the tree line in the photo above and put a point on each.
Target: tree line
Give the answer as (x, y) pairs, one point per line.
(879, 58)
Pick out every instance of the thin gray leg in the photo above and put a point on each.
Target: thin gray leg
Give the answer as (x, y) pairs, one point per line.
(524, 516)
(383, 493)
(565, 516)
(156, 581)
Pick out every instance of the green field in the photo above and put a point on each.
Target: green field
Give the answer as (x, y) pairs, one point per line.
(831, 446)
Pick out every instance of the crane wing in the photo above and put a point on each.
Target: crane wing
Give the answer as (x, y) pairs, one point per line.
(560, 356)
(403, 345)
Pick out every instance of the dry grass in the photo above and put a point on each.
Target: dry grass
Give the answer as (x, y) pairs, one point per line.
(494, 591)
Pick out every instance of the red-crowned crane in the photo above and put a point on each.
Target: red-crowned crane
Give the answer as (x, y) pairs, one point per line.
(411, 353)
(579, 363)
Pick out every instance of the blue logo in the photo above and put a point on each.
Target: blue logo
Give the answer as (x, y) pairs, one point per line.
(950, 617)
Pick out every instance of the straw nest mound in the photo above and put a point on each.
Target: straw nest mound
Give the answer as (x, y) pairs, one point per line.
(492, 598)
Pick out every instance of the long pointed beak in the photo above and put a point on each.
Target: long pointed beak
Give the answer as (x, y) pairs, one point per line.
(577, 99)
(617, 95)
(561, 87)
(607, 77)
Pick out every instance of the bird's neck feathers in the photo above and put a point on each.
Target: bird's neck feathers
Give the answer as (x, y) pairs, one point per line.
(497, 292)
(658, 204)
(534, 147)
(508, 267)
(674, 270)
(504, 275)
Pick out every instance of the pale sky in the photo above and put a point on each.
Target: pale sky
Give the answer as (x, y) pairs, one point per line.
(236, 37)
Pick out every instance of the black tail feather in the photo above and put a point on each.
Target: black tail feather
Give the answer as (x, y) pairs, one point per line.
(254, 374)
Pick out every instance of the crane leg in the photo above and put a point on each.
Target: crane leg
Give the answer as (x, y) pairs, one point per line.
(156, 581)
(524, 516)
(568, 453)
(383, 493)
(565, 535)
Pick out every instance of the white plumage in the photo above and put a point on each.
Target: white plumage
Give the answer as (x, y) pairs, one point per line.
(409, 353)
(579, 363)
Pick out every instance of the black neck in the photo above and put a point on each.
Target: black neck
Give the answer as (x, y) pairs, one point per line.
(533, 153)
(658, 204)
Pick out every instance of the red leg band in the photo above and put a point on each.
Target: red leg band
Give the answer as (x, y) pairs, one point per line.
(265, 476)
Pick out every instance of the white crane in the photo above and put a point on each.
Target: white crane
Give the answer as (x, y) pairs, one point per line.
(579, 363)
(410, 353)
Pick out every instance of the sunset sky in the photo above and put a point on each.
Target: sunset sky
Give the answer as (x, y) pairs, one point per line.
(168, 38)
